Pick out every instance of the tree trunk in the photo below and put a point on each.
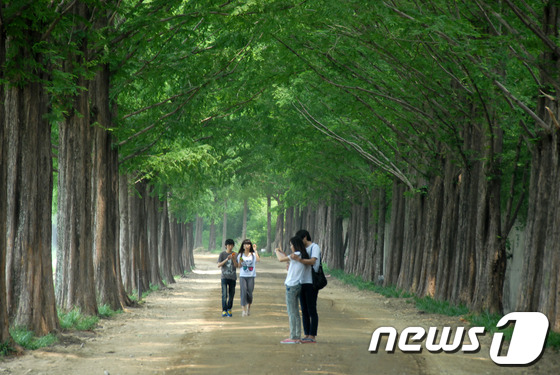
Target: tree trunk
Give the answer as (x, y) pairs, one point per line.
(189, 243)
(29, 284)
(164, 244)
(153, 239)
(380, 236)
(105, 194)
(212, 235)
(4, 325)
(334, 248)
(396, 231)
(138, 238)
(125, 243)
(288, 227)
(75, 283)
(279, 233)
(177, 267)
(540, 284)
(199, 229)
(268, 224)
(224, 225)
(245, 213)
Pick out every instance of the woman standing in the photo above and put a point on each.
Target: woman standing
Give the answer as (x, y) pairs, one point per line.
(293, 287)
(247, 260)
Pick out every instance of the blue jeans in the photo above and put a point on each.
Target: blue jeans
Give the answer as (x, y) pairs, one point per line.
(309, 315)
(292, 304)
(228, 287)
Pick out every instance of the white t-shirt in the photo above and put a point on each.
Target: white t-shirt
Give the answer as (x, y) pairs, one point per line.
(295, 272)
(248, 265)
(314, 252)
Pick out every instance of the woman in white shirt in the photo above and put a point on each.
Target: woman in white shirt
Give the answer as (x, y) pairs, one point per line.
(247, 260)
(293, 287)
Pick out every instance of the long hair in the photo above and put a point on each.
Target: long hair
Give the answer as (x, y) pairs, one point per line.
(297, 242)
(242, 248)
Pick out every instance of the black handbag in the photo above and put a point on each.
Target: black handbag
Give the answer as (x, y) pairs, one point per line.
(319, 279)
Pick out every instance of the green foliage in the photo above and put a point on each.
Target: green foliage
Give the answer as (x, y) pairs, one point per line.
(430, 305)
(360, 283)
(75, 320)
(28, 340)
(5, 349)
(105, 311)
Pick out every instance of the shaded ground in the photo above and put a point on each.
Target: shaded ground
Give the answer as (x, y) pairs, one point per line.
(180, 331)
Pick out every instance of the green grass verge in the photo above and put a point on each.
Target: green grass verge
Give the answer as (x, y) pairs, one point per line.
(360, 283)
(71, 320)
(430, 305)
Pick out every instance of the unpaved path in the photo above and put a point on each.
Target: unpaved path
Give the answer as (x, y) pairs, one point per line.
(180, 331)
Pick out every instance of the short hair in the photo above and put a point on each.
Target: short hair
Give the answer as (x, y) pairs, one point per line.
(303, 234)
(229, 241)
(298, 245)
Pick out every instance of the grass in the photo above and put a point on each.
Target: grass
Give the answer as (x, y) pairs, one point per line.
(28, 340)
(75, 320)
(72, 320)
(361, 284)
(146, 293)
(430, 305)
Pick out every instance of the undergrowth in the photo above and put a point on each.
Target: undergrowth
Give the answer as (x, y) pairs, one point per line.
(433, 306)
(72, 320)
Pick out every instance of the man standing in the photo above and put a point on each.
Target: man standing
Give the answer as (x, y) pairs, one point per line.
(308, 297)
(227, 261)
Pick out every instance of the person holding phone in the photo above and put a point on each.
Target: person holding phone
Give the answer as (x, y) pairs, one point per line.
(293, 286)
(247, 259)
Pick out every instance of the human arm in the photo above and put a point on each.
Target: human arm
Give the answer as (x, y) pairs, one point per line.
(231, 256)
(307, 262)
(282, 257)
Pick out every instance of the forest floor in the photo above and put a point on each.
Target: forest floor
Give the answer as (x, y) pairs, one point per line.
(180, 330)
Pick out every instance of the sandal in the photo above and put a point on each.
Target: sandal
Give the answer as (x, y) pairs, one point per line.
(308, 340)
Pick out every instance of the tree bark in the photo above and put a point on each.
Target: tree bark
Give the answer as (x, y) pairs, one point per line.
(396, 231)
(199, 226)
(212, 235)
(268, 223)
(164, 244)
(105, 198)
(125, 227)
(153, 215)
(279, 233)
(245, 213)
(189, 243)
(224, 225)
(540, 284)
(75, 283)
(28, 199)
(4, 320)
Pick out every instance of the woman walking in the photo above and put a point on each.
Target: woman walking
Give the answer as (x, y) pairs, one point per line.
(247, 260)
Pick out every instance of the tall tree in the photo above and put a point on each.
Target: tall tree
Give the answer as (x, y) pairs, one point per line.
(26, 192)
(75, 282)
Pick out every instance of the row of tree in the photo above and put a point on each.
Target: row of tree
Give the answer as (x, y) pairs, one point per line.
(457, 103)
(73, 116)
(431, 128)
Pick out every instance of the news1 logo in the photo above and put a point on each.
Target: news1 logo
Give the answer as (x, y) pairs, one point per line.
(526, 345)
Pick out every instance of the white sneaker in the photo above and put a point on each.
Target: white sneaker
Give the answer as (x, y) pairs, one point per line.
(243, 313)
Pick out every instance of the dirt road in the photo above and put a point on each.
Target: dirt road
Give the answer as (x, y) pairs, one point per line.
(180, 331)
